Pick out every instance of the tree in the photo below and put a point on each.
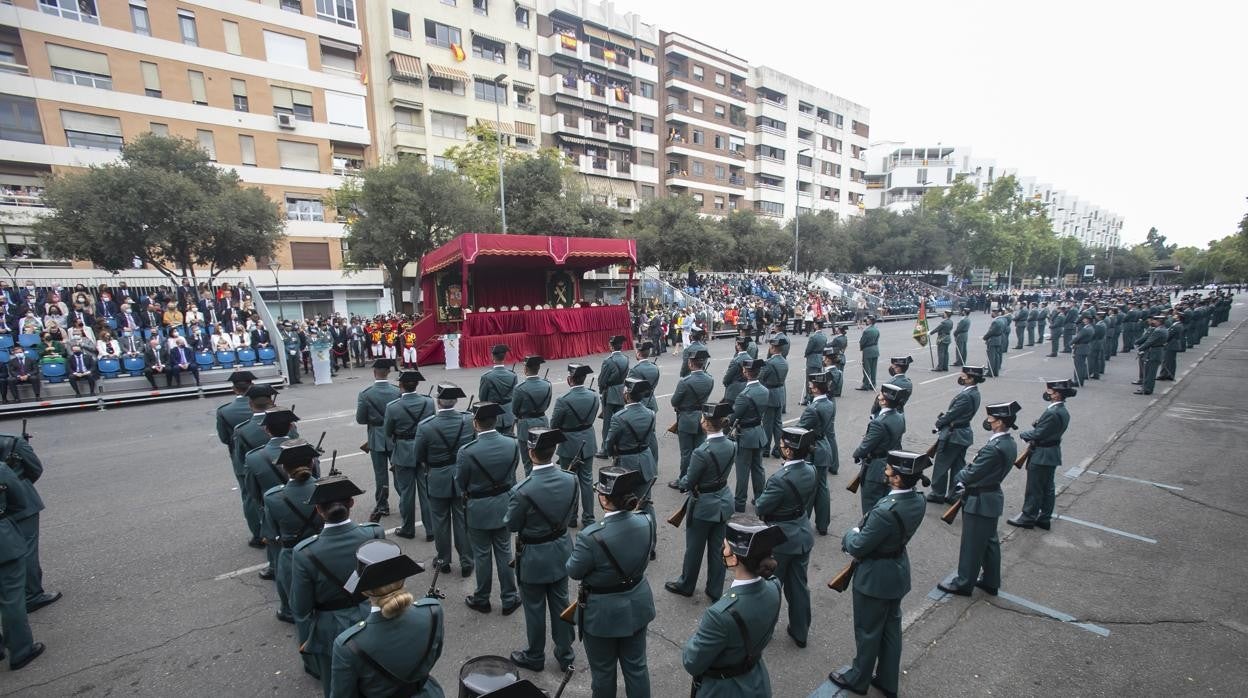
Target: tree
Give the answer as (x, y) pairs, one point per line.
(1157, 241)
(402, 211)
(756, 242)
(672, 235)
(825, 243)
(478, 159)
(544, 198)
(164, 203)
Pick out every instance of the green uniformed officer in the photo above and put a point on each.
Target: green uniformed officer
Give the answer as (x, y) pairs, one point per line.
(820, 418)
(869, 345)
(611, 384)
(230, 415)
(1044, 442)
(884, 433)
(615, 604)
(979, 486)
(370, 410)
(955, 435)
(1057, 324)
(320, 567)
(1042, 321)
(882, 577)
(1131, 321)
(725, 654)
(708, 505)
(574, 416)
(529, 402)
(747, 421)
(1152, 346)
(246, 436)
(1070, 326)
(960, 334)
(288, 517)
(630, 440)
(943, 332)
(497, 385)
(1096, 353)
(18, 640)
(538, 513)
(784, 502)
(834, 368)
(17, 452)
(485, 471)
(1113, 323)
(438, 440)
(1019, 318)
(733, 380)
(692, 391)
(695, 346)
(262, 473)
(1033, 317)
(815, 344)
(392, 651)
(772, 376)
(1176, 341)
(744, 330)
(897, 367)
(777, 333)
(647, 369)
(411, 479)
(840, 340)
(1081, 349)
(992, 343)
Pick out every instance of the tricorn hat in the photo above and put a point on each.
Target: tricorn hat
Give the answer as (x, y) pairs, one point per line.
(891, 391)
(278, 418)
(241, 377)
(747, 536)
(637, 387)
(798, 439)
(533, 361)
(700, 354)
(383, 364)
(614, 479)
(487, 410)
(498, 349)
(541, 439)
(579, 371)
(333, 488)
(901, 361)
(754, 364)
(716, 410)
(907, 462)
(616, 341)
(296, 452)
(1004, 409)
(410, 376)
(378, 563)
(262, 390)
(449, 391)
(976, 372)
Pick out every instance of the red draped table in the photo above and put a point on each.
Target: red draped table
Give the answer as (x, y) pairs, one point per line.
(553, 334)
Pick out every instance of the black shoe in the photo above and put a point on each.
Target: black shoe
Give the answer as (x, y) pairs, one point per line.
(478, 606)
(374, 517)
(675, 589)
(35, 650)
(267, 573)
(953, 590)
(1046, 525)
(935, 498)
(991, 591)
(523, 662)
(1050, 355)
(601, 455)
(1020, 522)
(1137, 382)
(429, 538)
(654, 555)
(465, 572)
(875, 681)
(285, 617)
(822, 531)
(1143, 392)
(445, 568)
(674, 484)
(801, 644)
(862, 387)
(256, 543)
(838, 678)
(44, 599)
(508, 610)
(404, 534)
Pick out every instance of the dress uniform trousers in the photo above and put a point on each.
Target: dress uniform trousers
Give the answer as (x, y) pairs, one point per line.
(448, 522)
(585, 486)
(949, 460)
(749, 467)
(411, 484)
(17, 636)
(1041, 493)
(980, 550)
(791, 571)
(495, 543)
(603, 654)
(703, 538)
(381, 479)
(29, 528)
(877, 635)
(821, 505)
(543, 601)
(688, 442)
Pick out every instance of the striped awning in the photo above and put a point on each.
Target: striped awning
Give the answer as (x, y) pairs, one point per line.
(646, 52)
(576, 140)
(568, 100)
(523, 129)
(624, 188)
(595, 32)
(621, 40)
(441, 71)
(598, 185)
(503, 127)
(488, 37)
(405, 66)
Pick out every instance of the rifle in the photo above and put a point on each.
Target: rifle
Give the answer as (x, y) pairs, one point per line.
(430, 390)
(575, 464)
(1025, 457)
(434, 592)
(857, 481)
(472, 400)
(546, 375)
(931, 452)
(840, 582)
(25, 434)
(320, 450)
(567, 676)
(679, 517)
(672, 429)
(513, 366)
(568, 615)
(952, 512)
(333, 464)
(645, 496)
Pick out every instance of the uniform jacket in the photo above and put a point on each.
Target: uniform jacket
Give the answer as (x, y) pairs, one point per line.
(884, 433)
(623, 613)
(26, 466)
(772, 375)
(647, 370)
(839, 342)
(748, 409)
(286, 516)
(869, 343)
(993, 331)
(719, 644)
(874, 543)
(710, 463)
(692, 391)
(484, 466)
(539, 507)
(733, 380)
(820, 417)
(12, 502)
(815, 345)
(632, 428)
(438, 440)
(964, 326)
(1082, 343)
(370, 410)
(530, 400)
(1176, 337)
(684, 357)
(261, 470)
(399, 424)
(311, 589)
(497, 385)
(406, 646)
(230, 415)
(955, 424)
(790, 490)
(576, 408)
(943, 330)
(611, 378)
(1045, 435)
(983, 476)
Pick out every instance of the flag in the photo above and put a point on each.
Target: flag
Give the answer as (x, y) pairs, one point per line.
(920, 325)
(458, 52)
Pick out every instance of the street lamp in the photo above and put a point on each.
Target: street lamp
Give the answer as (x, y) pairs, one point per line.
(274, 265)
(500, 80)
(797, 209)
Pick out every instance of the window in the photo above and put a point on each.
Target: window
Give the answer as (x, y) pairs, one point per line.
(647, 191)
(199, 90)
(443, 163)
(304, 207)
(247, 150)
(77, 10)
(402, 23)
(699, 198)
(805, 161)
(522, 16)
(481, 7)
(698, 74)
(408, 119)
(720, 113)
(719, 203)
(645, 125)
(207, 143)
(736, 144)
(720, 172)
(720, 79)
(239, 88)
(340, 11)
(233, 44)
(439, 34)
(139, 19)
(344, 109)
(524, 58)
(338, 58)
(91, 131)
(719, 142)
(698, 105)
(488, 49)
(440, 84)
(297, 103)
(285, 50)
(186, 22)
(159, 129)
(769, 208)
(309, 255)
(767, 151)
(151, 79)
(295, 6)
(293, 155)
(646, 90)
(490, 91)
(645, 158)
(19, 120)
(449, 125)
(75, 66)
(699, 170)
(699, 138)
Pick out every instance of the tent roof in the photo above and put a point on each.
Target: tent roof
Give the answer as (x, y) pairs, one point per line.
(531, 251)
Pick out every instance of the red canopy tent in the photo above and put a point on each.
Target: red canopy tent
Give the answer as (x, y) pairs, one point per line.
(477, 271)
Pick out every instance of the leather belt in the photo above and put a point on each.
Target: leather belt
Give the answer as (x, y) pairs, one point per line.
(539, 415)
(711, 486)
(886, 556)
(982, 490)
(632, 451)
(615, 589)
(404, 435)
(339, 605)
(731, 672)
(743, 424)
(441, 465)
(784, 517)
(1047, 444)
(578, 427)
(537, 540)
(490, 492)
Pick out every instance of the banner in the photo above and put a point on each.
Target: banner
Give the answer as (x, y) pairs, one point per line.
(920, 326)
(321, 369)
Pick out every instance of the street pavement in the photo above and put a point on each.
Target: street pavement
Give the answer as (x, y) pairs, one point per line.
(144, 535)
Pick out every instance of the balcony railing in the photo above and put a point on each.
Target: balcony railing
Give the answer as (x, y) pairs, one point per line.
(599, 164)
(674, 73)
(773, 187)
(769, 158)
(737, 180)
(623, 166)
(769, 129)
(402, 33)
(409, 128)
(525, 106)
(14, 68)
(737, 92)
(19, 196)
(768, 100)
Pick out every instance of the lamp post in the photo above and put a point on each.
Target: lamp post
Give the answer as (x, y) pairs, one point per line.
(274, 265)
(500, 80)
(797, 210)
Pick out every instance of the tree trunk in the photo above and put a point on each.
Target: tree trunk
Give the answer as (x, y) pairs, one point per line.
(396, 288)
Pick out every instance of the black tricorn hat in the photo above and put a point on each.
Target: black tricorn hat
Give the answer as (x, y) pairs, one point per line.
(1062, 387)
(381, 364)
(798, 439)
(716, 410)
(449, 391)
(278, 418)
(486, 410)
(747, 536)
(333, 488)
(296, 452)
(614, 479)
(262, 390)
(541, 439)
(646, 345)
(976, 372)
(579, 370)
(818, 378)
(637, 387)
(907, 462)
(901, 361)
(498, 349)
(1004, 409)
(616, 341)
(700, 354)
(411, 376)
(523, 688)
(754, 364)
(533, 361)
(892, 391)
(378, 563)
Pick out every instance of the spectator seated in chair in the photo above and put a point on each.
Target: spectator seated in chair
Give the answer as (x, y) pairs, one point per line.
(157, 359)
(50, 349)
(23, 371)
(81, 367)
(182, 360)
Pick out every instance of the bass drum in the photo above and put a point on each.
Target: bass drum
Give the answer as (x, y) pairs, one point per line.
(482, 676)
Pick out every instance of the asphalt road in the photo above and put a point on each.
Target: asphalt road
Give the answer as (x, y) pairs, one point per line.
(144, 535)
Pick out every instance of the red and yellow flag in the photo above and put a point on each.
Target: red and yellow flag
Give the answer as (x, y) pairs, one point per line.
(458, 52)
(920, 326)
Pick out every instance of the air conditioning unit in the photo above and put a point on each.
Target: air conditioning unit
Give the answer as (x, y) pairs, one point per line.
(286, 121)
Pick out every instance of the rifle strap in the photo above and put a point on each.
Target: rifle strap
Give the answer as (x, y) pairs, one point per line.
(306, 521)
(338, 583)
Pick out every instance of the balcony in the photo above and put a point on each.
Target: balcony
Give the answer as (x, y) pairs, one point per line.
(525, 106)
(15, 68)
(770, 101)
(598, 164)
(770, 187)
(770, 129)
(737, 180)
(408, 135)
(769, 158)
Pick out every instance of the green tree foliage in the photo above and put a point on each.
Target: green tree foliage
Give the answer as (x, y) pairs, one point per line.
(1157, 241)
(544, 197)
(165, 203)
(756, 242)
(478, 159)
(670, 234)
(401, 211)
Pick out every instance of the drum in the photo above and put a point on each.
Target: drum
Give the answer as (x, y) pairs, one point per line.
(481, 675)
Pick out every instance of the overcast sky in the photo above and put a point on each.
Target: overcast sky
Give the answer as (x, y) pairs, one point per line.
(1138, 107)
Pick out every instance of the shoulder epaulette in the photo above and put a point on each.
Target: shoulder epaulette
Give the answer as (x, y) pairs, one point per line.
(274, 490)
(348, 633)
(306, 542)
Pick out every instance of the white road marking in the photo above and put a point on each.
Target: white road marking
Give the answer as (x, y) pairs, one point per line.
(1136, 479)
(1056, 615)
(1106, 529)
(940, 378)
